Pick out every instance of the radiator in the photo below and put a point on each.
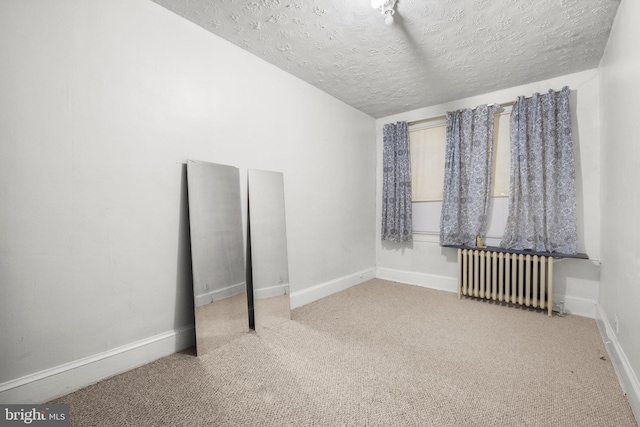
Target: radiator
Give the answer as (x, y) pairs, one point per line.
(500, 276)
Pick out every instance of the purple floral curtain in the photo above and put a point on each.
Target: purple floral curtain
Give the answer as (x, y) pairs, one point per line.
(542, 200)
(467, 180)
(396, 187)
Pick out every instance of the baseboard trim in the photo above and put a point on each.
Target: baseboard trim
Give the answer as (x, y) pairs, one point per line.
(577, 306)
(316, 292)
(60, 380)
(431, 281)
(573, 305)
(626, 376)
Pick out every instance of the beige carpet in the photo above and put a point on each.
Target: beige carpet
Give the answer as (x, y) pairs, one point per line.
(378, 354)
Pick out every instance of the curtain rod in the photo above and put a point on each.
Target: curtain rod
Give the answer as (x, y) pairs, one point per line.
(444, 116)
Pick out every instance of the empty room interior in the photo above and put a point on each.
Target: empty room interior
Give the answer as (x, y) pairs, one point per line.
(360, 178)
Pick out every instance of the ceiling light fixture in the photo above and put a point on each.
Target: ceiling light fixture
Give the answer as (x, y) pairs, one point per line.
(386, 8)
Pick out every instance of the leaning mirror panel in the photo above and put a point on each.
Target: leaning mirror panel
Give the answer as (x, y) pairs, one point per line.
(268, 243)
(217, 254)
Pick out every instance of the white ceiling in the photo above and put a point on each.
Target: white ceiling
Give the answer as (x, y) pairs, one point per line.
(436, 51)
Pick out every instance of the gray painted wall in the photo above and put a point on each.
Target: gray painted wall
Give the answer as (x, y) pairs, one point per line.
(620, 281)
(102, 103)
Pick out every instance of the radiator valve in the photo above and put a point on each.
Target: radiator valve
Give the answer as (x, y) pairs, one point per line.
(558, 307)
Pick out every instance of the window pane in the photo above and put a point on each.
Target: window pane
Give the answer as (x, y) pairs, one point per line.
(426, 217)
(501, 156)
(427, 148)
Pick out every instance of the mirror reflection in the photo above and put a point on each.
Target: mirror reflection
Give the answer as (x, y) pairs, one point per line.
(268, 241)
(219, 287)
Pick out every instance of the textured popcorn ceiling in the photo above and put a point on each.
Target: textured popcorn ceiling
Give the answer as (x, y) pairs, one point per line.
(436, 51)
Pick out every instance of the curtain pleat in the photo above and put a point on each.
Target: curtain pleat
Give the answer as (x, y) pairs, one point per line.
(467, 181)
(542, 203)
(396, 188)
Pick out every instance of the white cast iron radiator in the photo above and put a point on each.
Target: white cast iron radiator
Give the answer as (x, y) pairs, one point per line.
(514, 278)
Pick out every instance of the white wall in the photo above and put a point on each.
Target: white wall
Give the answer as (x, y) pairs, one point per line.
(620, 282)
(424, 262)
(102, 103)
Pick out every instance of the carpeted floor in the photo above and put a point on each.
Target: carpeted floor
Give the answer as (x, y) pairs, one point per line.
(378, 354)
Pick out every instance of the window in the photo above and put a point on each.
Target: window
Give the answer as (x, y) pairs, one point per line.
(427, 148)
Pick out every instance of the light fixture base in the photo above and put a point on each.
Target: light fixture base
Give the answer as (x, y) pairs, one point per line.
(387, 9)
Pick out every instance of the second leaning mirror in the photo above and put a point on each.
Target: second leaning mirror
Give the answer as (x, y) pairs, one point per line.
(268, 240)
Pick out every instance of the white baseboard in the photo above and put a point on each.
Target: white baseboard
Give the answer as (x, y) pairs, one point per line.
(626, 376)
(573, 305)
(314, 293)
(432, 281)
(577, 306)
(60, 380)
